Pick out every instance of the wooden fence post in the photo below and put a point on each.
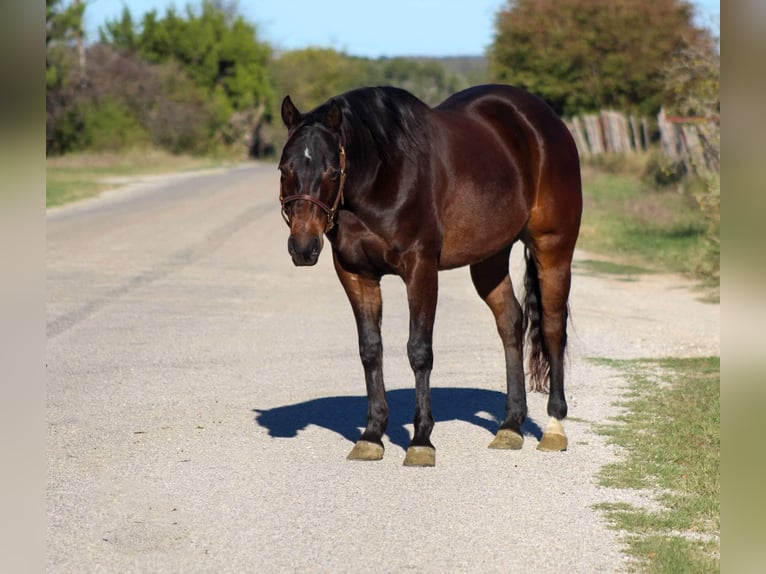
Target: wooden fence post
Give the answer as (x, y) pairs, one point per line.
(575, 126)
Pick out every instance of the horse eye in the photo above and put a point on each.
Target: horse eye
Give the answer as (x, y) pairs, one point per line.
(334, 173)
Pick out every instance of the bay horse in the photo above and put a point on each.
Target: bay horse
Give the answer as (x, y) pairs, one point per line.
(398, 187)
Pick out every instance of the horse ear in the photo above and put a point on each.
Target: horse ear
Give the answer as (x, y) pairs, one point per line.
(334, 117)
(290, 114)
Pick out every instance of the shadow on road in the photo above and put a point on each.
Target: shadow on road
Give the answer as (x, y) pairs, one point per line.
(347, 415)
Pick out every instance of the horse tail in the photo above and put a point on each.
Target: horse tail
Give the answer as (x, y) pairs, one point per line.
(539, 363)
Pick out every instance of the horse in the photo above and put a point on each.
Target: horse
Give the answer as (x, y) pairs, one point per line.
(399, 187)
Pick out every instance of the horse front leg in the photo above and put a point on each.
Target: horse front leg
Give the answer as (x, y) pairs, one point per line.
(422, 290)
(364, 295)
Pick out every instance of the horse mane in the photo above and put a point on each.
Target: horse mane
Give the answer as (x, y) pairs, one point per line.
(388, 120)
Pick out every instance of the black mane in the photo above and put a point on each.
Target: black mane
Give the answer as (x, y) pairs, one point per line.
(389, 120)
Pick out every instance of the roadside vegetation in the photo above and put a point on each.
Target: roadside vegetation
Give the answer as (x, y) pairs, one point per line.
(79, 176)
(642, 225)
(669, 433)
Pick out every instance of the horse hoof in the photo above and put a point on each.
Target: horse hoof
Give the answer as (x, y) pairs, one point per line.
(365, 450)
(554, 439)
(420, 456)
(507, 439)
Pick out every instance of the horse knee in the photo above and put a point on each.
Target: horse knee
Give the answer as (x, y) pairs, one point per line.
(370, 351)
(421, 355)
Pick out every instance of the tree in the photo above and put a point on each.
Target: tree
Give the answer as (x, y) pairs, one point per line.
(584, 55)
(426, 79)
(120, 33)
(312, 75)
(64, 69)
(215, 47)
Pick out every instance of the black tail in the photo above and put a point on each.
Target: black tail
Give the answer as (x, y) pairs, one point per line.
(539, 364)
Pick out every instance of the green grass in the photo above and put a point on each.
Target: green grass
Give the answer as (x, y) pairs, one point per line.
(648, 229)
(670, 433)
(625, 271)
(79, 176)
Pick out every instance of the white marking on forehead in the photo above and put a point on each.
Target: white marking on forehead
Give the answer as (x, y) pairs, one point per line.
(307, 153)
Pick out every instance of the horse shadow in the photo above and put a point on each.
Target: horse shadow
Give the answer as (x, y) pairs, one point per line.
(346, 415)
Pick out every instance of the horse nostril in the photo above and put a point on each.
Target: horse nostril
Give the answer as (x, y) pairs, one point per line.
(291, 245)
(315, 247)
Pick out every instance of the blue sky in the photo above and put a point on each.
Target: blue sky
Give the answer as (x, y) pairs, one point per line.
(363, 28)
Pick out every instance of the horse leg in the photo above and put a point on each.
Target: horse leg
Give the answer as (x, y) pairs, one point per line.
(364, 294)
(493, 284)
(554, 276)
(422, 289)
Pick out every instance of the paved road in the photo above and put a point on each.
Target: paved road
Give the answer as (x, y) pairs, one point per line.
(203, 394)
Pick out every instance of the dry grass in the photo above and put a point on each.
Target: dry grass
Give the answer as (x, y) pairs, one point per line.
(626, 219)
(78, 176)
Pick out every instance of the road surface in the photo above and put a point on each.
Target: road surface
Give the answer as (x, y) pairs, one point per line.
(203, 393)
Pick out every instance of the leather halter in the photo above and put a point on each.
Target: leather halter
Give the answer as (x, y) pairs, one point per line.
(330, 211)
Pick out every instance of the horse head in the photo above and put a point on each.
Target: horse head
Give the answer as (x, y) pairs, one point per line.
(313, 174)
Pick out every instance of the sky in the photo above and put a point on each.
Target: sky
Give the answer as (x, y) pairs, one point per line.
(372, 28)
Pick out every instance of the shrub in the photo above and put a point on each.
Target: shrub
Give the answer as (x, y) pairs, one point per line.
(111, 126)
(661, 171)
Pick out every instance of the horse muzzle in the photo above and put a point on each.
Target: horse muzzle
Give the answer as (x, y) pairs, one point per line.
(304, 250)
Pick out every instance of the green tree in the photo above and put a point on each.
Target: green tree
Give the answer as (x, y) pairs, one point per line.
(63, 28)
(214, 45)
(120, 33)
(313, 75)
(64, 72)
(427, 79)
(219, 51)
(584, 55)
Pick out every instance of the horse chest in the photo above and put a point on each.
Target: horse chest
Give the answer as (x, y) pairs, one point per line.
(363, 250)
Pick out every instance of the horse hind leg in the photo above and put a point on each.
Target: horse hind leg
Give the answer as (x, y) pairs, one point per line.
(493, 284)
(548, 282)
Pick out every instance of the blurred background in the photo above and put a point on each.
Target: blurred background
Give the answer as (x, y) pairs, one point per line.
(208, 76)
(135, 87)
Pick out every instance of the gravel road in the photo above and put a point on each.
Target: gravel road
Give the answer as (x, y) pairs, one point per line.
(203, 393)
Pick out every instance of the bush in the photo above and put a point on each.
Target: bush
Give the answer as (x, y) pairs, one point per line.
(707, 192)
(618, 163)
(661, 171)
(111, 126)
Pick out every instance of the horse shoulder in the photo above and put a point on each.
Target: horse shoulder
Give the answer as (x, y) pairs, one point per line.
(361, 249)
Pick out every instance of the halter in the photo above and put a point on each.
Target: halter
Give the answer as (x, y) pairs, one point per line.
(330, 211)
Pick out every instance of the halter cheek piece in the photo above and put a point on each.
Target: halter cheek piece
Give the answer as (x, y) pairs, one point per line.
(330, 211)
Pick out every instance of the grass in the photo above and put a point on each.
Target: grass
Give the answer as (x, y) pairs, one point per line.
(79, 176)
(627, 272)
(642, 228)
(670, 434)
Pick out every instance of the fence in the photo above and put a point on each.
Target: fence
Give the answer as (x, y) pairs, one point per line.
(609, 132)
(693, 141)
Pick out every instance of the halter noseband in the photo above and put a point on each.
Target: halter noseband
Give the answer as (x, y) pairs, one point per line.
(330, 211)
